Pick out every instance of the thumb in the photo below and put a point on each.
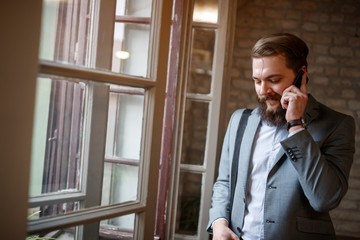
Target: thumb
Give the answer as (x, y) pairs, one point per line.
(235, 237)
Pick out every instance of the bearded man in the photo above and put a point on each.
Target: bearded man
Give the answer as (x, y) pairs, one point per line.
(294, 158)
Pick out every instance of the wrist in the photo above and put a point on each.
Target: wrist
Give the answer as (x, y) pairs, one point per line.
(295, 128)
(296, 124)
(221, 222)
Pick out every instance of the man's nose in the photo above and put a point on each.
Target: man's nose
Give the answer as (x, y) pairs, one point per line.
(264, 88)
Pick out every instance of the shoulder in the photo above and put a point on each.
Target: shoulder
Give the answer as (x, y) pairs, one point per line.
(328, 120)
(330, 115)
(238, 113)
(237, 116)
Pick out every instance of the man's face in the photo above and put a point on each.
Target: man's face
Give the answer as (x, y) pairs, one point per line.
(271, 78)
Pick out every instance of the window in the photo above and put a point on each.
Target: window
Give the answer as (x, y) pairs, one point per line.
(98, 118)
(99, 115)
(198, 119)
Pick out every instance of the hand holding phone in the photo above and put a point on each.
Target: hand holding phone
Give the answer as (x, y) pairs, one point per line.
(295, 101)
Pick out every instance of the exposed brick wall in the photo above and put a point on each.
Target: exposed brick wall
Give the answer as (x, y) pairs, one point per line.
(331, 28)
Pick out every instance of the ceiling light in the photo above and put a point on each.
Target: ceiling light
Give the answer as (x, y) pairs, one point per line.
(122, 54)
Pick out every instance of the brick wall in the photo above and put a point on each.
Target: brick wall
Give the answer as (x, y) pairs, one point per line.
(331, 28)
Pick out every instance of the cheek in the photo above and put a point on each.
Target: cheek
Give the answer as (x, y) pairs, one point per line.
(278, 89)
(257, 89)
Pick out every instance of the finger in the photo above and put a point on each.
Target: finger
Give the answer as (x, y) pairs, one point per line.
(291, 90)
(284, 101)
(235, 237)
(289, 97)
(286, 97)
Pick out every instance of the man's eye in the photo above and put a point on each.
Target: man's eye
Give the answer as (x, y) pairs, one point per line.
(274, 80)
(257, 82)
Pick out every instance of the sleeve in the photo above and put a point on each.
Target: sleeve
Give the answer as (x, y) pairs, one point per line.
(221, 189)
(323, 167)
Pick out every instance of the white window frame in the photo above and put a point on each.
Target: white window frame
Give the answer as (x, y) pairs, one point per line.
(94, 147)
(214, 99)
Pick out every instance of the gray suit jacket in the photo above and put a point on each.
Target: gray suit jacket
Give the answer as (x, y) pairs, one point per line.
(308, 179)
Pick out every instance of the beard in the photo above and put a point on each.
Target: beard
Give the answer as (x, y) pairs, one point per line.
(274, 117)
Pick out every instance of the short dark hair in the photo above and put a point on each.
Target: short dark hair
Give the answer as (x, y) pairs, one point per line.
(293, 48)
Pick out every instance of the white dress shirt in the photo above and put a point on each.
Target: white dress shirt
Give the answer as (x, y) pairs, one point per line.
(265, 149)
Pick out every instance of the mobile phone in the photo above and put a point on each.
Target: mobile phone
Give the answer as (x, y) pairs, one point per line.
(298, 78)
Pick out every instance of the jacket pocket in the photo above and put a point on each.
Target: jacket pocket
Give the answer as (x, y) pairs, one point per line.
(308, 225)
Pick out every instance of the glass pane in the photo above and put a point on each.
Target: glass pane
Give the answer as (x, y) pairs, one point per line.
(68, 36)
(123, 144)
(187, 215)
(52, 210)
(65, 31)
(130, 50)
(138, 8)
(56, 167)
(201, 61)
(195, 130)
(56, 161)
(120, 183)
(118, 228)
(125, 120)
(206, 11)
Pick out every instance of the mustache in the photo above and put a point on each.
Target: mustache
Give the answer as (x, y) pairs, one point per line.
(263, 98)
(274, 117)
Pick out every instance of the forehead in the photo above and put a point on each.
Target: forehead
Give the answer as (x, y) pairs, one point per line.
(269, 65)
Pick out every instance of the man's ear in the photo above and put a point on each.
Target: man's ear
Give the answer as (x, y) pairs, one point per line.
(304, 68)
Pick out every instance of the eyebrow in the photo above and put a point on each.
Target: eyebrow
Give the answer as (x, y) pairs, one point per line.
(268, 77)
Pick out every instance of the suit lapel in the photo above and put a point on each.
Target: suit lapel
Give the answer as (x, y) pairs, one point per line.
(246, 148)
